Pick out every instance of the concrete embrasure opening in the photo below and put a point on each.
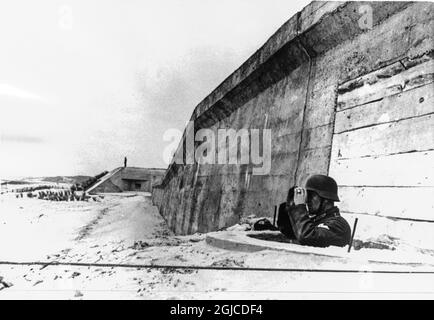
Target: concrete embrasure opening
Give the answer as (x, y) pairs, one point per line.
(276, 237)
(357, 244)
(252, 241)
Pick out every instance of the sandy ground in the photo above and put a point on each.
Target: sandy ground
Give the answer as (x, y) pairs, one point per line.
(126, 229)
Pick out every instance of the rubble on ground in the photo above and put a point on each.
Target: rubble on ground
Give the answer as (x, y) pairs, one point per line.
(381, 242)
(4, 284)
(240, 227)
(251, 223)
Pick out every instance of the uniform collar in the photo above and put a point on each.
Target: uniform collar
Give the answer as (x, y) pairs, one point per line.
(332, 212)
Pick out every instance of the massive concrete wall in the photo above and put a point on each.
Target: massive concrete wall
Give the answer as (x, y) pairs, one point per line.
(322, 83)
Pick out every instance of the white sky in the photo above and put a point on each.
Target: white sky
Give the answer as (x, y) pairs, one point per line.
(85, 83)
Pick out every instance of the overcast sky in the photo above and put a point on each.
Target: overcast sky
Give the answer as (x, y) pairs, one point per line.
(85, 83)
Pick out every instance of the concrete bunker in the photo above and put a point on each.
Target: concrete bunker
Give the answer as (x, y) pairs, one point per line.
(341, 99)
(128, 179)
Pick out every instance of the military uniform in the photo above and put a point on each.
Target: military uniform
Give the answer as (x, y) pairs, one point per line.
(323, 230)
(326, 228)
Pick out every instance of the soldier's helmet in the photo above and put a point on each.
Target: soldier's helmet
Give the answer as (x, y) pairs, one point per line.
(325, 186)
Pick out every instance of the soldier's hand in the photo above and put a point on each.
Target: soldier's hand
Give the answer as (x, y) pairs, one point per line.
(299, 196)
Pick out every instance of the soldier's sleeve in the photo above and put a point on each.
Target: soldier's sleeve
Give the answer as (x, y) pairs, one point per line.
(308, 233)
(283, 222)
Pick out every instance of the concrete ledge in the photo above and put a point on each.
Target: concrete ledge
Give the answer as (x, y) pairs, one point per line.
(319, 27)
(240, 241)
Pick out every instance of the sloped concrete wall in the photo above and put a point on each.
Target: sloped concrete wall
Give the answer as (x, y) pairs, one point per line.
(124, 179)
(291, 86)
(113, 183)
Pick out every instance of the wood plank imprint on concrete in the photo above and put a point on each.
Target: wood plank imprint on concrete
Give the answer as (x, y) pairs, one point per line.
(388, 201)
(385, 82)
(383, 143)
(407, 169)
(408, 135)
(418, 102)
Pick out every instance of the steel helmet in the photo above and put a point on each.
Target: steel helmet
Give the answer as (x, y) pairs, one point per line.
(325, 186)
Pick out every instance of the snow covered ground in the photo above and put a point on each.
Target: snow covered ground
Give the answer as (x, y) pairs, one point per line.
(126, 230)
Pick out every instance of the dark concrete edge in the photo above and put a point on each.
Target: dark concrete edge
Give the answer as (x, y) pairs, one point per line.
(241, 242)
(294, 33)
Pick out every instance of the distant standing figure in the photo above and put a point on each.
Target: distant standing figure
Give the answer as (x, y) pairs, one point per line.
(125, 162)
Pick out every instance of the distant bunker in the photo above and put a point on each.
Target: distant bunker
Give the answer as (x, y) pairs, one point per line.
(346, 89)
(128, 179)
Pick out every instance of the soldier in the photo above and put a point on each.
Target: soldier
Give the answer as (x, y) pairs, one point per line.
(310, 216)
